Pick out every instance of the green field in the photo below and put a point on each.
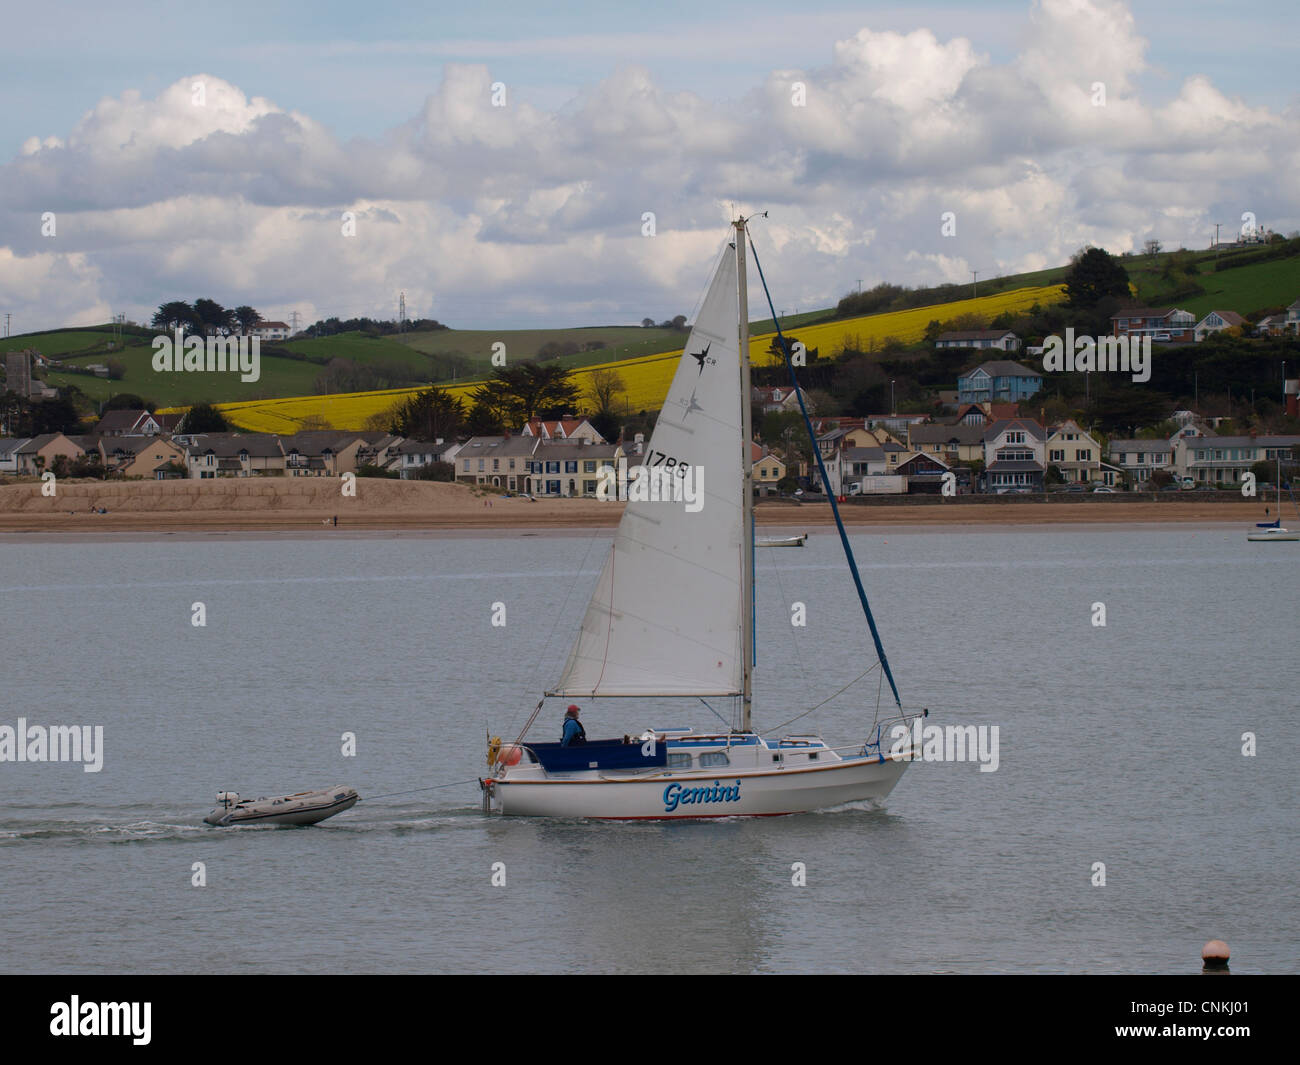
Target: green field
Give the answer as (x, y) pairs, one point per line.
(465, 354)
(279, 377)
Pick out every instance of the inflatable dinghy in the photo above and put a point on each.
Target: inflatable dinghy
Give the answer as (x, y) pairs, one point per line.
(301, 808)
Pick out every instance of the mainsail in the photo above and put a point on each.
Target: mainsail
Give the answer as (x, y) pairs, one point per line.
(666, 616)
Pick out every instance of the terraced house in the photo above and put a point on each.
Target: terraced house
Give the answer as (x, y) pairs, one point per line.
(1222, 460)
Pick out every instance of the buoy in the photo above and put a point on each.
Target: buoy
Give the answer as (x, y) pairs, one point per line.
(1214, 957)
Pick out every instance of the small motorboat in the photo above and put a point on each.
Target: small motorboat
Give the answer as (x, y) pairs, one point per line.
(782, 541)
(301, 808)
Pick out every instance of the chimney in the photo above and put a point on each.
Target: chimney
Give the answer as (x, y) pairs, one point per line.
(507, 432)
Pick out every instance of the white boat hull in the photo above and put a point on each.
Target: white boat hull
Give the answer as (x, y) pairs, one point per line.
(1268, 535)
(783, 541)
(696, 795)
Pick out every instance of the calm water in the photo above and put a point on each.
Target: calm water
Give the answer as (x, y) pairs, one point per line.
(1119, 745)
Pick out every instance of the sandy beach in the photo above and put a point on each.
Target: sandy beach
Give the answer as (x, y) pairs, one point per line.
(311, 504)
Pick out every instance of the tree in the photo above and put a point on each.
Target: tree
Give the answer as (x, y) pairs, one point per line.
(246, 317)
(521, 392)
(176, 314)
(604, 391)
(647, 323)
(433, 414)
(1152, 247)
(213, 318)
(126, 401)
(205, 418)
(1094, 275)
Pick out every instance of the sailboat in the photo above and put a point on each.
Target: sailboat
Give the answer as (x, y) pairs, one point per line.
(672, 616)
(1269, 531)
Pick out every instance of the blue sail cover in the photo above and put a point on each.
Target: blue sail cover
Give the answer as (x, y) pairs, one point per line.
(598, 754)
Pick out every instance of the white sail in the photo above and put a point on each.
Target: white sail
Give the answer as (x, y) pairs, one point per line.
(666, 615)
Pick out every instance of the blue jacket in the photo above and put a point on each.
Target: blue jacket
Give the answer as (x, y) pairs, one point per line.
(574, 733)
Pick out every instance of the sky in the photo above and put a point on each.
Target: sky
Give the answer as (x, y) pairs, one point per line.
(525, 164)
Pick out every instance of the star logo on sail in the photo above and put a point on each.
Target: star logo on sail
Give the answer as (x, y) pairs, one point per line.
(703, 357)
(691, 405)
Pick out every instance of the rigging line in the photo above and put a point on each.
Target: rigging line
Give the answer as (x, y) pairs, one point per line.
(826, 700)
(716, 714)
(432, 787)
(821, 466)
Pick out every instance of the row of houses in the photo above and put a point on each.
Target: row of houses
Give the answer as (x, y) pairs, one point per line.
(1016, 452)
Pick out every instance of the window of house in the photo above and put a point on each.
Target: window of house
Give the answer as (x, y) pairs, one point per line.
(589, 488)
(481, 465)
(1058, 456)
(571, 466)
(589, 466)
(1015, 438)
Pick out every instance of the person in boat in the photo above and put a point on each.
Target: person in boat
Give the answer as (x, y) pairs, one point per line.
(574, 733)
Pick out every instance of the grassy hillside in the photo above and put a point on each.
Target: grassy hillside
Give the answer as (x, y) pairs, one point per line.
(645, 379)
(644, 357)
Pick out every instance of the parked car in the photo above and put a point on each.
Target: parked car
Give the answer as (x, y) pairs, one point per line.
(1076, 487)
(1162, 337)
(1103, 489)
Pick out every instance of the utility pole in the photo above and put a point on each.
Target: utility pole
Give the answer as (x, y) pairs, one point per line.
(974, 290)
(293, 323)
(401, 313)
(859, 286)
(8, 316)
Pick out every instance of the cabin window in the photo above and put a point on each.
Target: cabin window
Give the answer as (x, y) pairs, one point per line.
(679, 761)
(711, 758)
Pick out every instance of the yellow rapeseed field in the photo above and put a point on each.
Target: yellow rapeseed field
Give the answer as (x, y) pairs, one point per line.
(645, 379)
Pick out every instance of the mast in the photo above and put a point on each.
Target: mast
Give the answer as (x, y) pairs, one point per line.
(747, 466)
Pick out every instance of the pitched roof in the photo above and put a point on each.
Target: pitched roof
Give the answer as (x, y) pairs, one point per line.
(37, 442)
(961, 433)
(119, 420)
(977, 334)
(258, 445)
(995, 429)
(1003, 368)
(10, 445)
(864, 454)
(1231, 317)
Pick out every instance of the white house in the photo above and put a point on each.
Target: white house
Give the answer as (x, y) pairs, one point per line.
(270, 330)
(1075, 453)
(1002, 339)
(1218, 322)
(1015, 454)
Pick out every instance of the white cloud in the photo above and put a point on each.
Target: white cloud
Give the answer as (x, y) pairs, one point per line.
(519, 214)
